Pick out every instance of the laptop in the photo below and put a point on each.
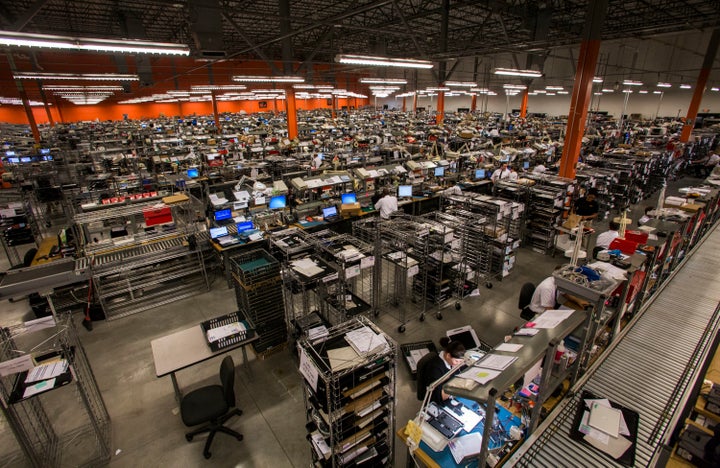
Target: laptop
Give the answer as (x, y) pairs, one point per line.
(330, 214)
(222, 237)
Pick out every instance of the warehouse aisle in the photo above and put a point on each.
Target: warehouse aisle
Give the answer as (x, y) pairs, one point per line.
(650, 369)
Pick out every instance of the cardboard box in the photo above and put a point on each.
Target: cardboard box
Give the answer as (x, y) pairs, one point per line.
(350, 209)
(178, 198)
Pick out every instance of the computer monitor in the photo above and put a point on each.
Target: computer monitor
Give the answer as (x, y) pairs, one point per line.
(193, 173)
(221, 215)
(465, 335)
(330, 212)
(348, 198)
(245, 226)
(405, 191)
(14, 160)
(440, 171)
(9, 153)
(526, 165)
(278, 202)
(218, 232)
(44, 150)
(47, 158)
(25, 159)
(479, 174)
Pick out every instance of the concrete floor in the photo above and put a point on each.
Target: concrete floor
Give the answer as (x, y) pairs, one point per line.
(146, 425)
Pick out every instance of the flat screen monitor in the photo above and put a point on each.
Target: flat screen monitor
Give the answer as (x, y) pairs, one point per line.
(25, 159)
(526, 165)
(330, 212)
(479, 174)
(405, 191)
(218, 232)
(193, 173)
(44, 150)
(278, 202)
(348, 198)
(9, 153)
(439, 171)
(221, 215)
(14, 160)
(47, 158)
(245, 226)
(465, 335)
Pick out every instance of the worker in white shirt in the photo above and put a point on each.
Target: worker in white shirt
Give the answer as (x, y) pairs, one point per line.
(387, 205)
(604, 239)
(539, 169)
(317, 161)
(453, 190)
(503, 173)
(710, 164)
(513, 175)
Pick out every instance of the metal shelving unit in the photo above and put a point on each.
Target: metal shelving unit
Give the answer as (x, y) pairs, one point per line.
(67, 425)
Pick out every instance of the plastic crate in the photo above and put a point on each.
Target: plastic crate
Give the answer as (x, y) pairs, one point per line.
(405, 350)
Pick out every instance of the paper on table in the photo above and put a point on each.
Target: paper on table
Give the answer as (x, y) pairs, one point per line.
(479, 375)
(590, 431)
(468, 417)
(551, 318)
(496, 361)
(42, 386)
(510, 347)
(365, 341)
(215, 334)
(527, 332)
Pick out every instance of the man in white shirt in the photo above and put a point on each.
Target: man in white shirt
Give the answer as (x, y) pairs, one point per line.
(545, 296)
(539, 169)
(387, 205)
(605, 239)
(513, 175)
(317, 161)
(503, 173)
(453, 190)
(710, 164)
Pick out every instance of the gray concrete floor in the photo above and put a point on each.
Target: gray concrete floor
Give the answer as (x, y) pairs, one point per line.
(146, 425)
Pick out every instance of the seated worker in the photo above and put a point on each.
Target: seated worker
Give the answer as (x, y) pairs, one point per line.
(711, 162)
(605, 238)
(453, 190)
(387, 205)
(546, 297)
(502, 173)
(539, 169)
(513, 175)
(432, 366)
(317, 161)
(646, 216)
(587, 207)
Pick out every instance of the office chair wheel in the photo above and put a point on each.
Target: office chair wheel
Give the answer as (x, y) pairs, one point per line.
(488, 285)
(207, 455)
(401, 329)
(422, 317)
(188, 437)
(458, 306)
(438, 316)
(239, 437)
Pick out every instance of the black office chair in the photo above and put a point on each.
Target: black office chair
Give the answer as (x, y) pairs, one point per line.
(213, 405)
(526, 294)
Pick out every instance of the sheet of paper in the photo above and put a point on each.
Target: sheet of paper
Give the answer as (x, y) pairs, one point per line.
(510, 347)
(46, 371)
(13, 366)
(468, 418)
(591, 431)
(308, 370)
(366, 341)
(615, 447)
(343, 358)
(215, 334)
(527, 332)
(415, 356)
(479, 375)
(624, 430)
(496, 361)
(551, 318)
(39, 387)
(604, 418)
(39, 324)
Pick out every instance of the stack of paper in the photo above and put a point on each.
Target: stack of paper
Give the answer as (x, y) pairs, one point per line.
(343, 358)
(215, 334)
(317, 332)
(306, 266)
(47, 371)
(465, 446)
(365, 341)
(552, 318)
(604, 427)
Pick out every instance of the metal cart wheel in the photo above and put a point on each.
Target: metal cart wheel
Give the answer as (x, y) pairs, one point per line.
(438, 316)
(401, 329)
(458, 306)
(422, 317)
(488, 285)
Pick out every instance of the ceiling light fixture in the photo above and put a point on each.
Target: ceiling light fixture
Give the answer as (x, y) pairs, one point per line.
(714, 88)
(460, 84)
(81, 88)
(75, 76)
(268, 79)
(657, 92)
(608, 90)
(46, 41)
(627, 91)
(516, 72)
(664, 85)
(382, 61)
(597, 79)
(643, 91)
(435, 90)
(685, 86)
(554, 88)
(632, 83)
(209, 87)
(388, 81)
(514, 86)
(563, 92)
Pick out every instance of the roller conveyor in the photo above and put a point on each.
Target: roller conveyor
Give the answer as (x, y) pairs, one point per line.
(651, 370)
(43, 277)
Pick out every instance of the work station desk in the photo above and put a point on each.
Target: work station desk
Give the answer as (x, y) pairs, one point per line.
(185, 348)
(227, 253)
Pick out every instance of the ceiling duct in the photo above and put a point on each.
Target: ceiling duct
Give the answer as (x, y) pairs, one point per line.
(206, 28)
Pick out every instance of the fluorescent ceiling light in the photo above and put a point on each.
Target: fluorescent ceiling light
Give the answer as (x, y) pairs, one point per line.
(550, 94)
(514, 86)
(382, 61)
(435, 90)
(643, 91)
(15, 39)
(600, 94)
(554, 88)
(515, 72)
(685, 86)
(384, 88)
(479, 90)
(209, 87)
(460, 84)
(627, 91)
(540, 91)
(81, 88)
(563, 92)
(389, 81)
(657, 92)
(597, 79)
(268, 79)
(75, 76)
(632, 83)
(608, 90)
(714, 88)
(492, 93)
(664, 85)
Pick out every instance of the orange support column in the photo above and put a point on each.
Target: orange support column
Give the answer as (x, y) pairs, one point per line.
(473, 103)
(291, 113)
(440, 116)
(216, 116)
(582, 89)
(415, 103)
(700, 86)
(333, 114)
(404, 103)
(29, 113)
(523, 106)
